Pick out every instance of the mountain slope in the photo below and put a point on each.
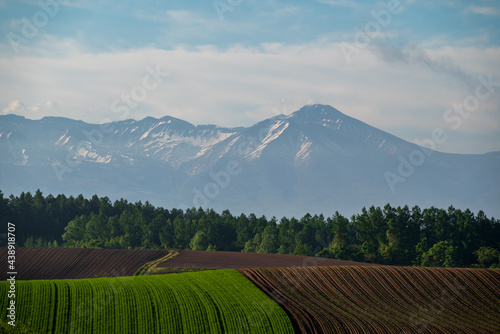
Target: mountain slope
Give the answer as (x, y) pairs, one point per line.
(315, 160)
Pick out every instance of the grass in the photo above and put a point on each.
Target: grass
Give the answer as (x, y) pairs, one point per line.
(150, 267)
(183, 269)
(212, 301)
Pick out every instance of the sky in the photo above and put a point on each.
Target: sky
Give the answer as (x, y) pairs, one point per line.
(408, 67)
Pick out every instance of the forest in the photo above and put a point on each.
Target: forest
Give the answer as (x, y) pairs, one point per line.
(389, 235)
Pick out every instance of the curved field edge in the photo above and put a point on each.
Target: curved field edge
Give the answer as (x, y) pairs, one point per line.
(384, 299)
(233, 260)
(219, 301)
(151, 267)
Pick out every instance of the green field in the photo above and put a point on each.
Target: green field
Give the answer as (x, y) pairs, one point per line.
(217, 301)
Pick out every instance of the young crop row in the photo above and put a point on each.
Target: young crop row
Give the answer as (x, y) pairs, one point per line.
(200, 302)
(385, 299)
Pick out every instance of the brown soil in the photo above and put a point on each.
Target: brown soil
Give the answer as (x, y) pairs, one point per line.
(224, 260)
(384, 299)
(61, 263)
(58, 263)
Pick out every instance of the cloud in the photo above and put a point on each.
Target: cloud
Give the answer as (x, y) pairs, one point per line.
(340, 3)
(36, 110)
(14, 107)
(482, 10)
(238, 86)
(182, 16)
(413, 55)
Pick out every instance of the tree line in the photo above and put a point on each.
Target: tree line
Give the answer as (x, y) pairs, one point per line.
(388, 235)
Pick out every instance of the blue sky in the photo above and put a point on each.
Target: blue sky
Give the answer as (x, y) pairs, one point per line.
(236, 62)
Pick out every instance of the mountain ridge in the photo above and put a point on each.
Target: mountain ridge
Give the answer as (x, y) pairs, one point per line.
(316, 159)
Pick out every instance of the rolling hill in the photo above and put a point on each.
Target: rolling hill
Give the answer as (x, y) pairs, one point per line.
(311, 297)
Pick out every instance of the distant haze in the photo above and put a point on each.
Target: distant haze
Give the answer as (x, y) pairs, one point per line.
(315, 160)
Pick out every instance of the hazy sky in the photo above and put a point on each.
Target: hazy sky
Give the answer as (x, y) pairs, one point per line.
(406, 67)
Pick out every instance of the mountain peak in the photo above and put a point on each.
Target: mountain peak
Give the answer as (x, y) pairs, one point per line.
(317, 113)
(307, 161)
(10, 117)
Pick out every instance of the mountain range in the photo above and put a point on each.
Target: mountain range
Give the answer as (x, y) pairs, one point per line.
(315, 160)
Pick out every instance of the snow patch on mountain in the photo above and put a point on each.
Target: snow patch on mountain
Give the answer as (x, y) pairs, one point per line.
(303, 152)
(63, 140)
(314, 160)
(25, 157)
(273, 133)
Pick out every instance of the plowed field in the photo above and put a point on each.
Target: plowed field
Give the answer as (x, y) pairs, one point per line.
(228, 260)
(59, 263)
(67, 263)
(384, 299)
